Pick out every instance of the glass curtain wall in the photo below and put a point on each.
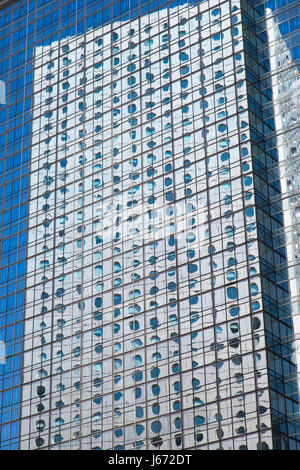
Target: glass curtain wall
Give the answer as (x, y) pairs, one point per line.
(141, 232)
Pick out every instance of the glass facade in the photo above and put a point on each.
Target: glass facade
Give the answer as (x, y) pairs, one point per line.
(284, 64)
(147, 286)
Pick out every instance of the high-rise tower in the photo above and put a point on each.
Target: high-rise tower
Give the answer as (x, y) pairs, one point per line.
(145, 296)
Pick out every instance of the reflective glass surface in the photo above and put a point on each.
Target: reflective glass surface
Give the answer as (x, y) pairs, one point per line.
(145, 287)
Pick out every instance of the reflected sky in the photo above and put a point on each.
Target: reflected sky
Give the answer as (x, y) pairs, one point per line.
(288, 20)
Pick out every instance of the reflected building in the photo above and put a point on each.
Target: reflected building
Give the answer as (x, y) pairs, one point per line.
(286, 98)
(150, 316)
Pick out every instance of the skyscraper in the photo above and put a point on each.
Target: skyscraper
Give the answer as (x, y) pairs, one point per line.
(146, 287)
(286, 99)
